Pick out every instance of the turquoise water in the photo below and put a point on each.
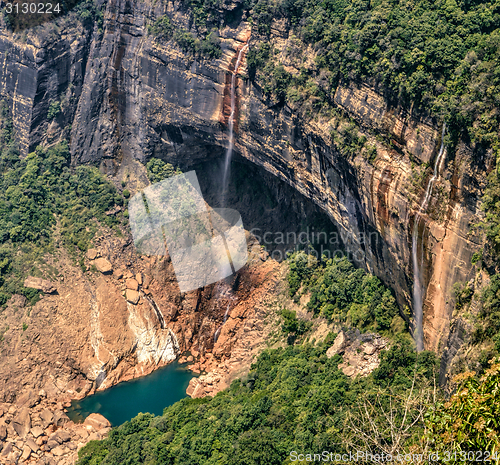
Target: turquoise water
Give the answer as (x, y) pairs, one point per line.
(151, 393)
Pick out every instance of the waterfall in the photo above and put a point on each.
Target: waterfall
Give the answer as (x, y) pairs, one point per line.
(229, 152)
(418, 290)
(216, 335)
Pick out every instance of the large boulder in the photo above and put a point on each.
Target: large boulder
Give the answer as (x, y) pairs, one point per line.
(338, 345)
(195, 388)
(132, 296)
(97, 421)
(132, 284)
(103, 265)
(41, 284)
(22, 422)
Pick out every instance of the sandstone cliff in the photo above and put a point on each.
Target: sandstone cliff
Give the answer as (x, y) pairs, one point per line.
(126, 97)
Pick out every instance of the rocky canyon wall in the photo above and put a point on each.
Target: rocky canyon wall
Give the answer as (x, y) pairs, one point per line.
(126, 97)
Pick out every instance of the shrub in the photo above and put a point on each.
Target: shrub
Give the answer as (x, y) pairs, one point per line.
(158, 170)
(54, 110)
(469, 421)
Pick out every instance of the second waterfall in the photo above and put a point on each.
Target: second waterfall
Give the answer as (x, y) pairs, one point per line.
(229, 152)
(417, 262)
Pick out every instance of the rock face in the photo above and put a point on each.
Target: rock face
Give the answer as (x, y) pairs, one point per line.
(132, 98)
(127, 97)
(338, 346)
(103, 265)
(360, 352)
(40, 284)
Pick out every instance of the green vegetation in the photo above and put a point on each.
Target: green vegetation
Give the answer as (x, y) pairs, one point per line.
(342, 293)
(38, 195)
(54, 110)
(206, 47)
(470, 420)
(158, 170)
(292, 326)
(439, 56)
(293, 399)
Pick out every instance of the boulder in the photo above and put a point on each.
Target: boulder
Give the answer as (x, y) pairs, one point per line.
(41, 284)
(369, 349)
(22, 422)
(132, 296)
(103, 265)
(7, 449)
(26, 454)
(51, 444)
(32, 444)
(36, 431)
(195, 388)
(349, 371)
(338, 345)
(58, 451)
(92, 254)
(97, 421)
(47, 417)
(138, 278)
(55, 437)
(60, 418)
(61, 436)
(118, 274)
(132, 284)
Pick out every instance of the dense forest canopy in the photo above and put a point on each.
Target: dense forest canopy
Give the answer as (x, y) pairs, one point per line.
(440, 57)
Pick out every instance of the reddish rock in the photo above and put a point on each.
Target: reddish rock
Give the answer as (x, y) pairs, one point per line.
(41, 284)
(97, 421)
(92, 254)
(138, 278)
(132, 284)
(132, 296)
(103, 265)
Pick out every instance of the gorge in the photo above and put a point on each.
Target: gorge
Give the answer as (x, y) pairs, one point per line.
(180, 102)
(244, 98)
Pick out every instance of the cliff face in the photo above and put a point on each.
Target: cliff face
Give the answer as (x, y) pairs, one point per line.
(126, 97)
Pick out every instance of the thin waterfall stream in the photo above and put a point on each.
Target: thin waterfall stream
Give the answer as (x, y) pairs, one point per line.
(418, 290)
(229, 152)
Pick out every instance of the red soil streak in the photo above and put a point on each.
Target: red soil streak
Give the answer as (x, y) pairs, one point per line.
(226, 102)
